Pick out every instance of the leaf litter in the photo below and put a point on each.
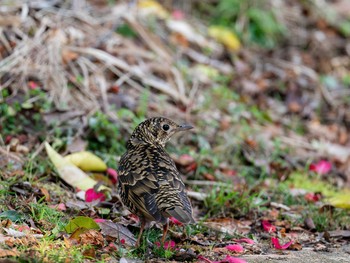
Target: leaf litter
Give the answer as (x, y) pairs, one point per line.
(284, 116)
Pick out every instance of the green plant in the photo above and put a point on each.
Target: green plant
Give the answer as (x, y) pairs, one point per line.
(225, 201)
(104, 135)
(254, 20)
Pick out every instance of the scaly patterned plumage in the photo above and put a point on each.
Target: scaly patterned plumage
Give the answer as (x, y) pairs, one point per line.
(149, 184)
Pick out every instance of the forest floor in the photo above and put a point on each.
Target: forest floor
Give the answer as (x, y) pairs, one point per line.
(267, 166)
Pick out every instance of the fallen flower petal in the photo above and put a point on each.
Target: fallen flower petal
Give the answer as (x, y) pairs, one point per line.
(167, 245)
(321, 167)
(99, 220)
(175, 221)
(277, 245)
(245, 240)
(91, 195)
(113, 174)
(236, 248)
(312, 197)
(268, 226)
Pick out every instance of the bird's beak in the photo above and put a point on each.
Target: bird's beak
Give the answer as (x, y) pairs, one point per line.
(184, 127)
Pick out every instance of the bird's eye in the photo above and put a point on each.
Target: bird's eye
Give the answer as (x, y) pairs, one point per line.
(166, 127)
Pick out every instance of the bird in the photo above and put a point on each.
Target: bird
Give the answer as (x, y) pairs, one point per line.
(149, 184)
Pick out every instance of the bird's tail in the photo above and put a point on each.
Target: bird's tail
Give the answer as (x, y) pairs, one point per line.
(181, 214)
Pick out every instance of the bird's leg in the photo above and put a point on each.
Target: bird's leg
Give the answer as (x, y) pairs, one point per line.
(143, 223)
(165, 230)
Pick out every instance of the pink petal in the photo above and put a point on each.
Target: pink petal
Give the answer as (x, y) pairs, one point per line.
(312, 197)
(178, 15)
(245, 240)
(268, 227)
(32, 85)
(113, 174)
(277, 245)
(321, 167)
(91, 195)
(175, 221)
(230, 259)
(99, 220)
(167, 245)
(236, 248)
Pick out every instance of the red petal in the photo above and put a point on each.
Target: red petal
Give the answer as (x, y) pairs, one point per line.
(122, 241)
(277, 245)
(236, 248)
(268, 227)
(312, 197)
(113, 174)
(91, 195)
(175, 221)
(99, 220)
(321, 167)
(32, 85)
(167, 245)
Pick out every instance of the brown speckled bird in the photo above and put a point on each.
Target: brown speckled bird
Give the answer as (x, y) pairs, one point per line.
(150, 186)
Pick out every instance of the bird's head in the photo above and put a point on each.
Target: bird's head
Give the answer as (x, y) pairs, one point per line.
(157, 130)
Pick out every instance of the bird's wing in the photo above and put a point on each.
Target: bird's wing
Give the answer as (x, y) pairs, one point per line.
(171, 198)
(139, 185)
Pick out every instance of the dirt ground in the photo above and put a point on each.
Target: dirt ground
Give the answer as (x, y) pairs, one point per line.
(338, 255)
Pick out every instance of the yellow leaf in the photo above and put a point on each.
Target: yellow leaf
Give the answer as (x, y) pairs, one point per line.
(341, 200)
(225, 36)
(69, 172)
(87, 161)
(153, 7)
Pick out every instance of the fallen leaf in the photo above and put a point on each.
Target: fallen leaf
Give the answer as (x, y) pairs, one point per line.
(225, 36)
(152, 7)
(92, 237)
(341, 200)
(69, 172)
(87, 161)
(118, 231)
(276, 244)
(81, 222)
